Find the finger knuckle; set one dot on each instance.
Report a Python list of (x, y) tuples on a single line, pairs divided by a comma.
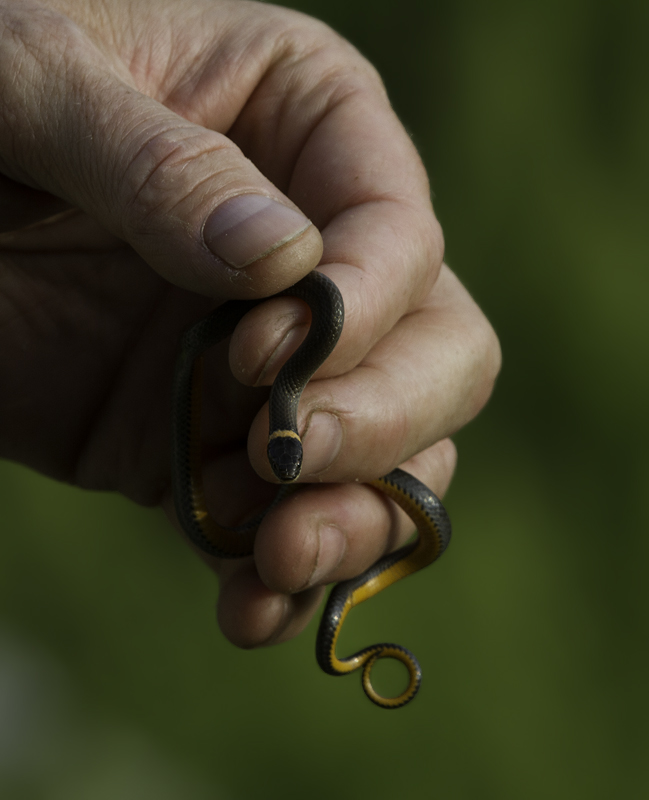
[(486, 362), (333, 61), (433, 245), (166, 170)]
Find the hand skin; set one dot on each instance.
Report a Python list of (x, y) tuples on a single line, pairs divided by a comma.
[(123, 127)]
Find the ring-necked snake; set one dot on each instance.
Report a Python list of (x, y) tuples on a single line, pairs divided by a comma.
[(285, 456)]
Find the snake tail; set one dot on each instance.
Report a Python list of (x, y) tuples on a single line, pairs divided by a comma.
[(434, 533)]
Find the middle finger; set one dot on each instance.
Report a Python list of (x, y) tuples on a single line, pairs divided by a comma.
[(425, 379)]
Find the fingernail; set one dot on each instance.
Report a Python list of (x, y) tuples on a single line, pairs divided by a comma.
[(287, 346), (330, 553), (278, 607), (322, 442), (250, 226)]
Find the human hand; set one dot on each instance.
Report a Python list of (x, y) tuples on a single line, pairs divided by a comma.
[(133, 124)]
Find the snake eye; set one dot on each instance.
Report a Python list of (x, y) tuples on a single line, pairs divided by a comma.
[(285, 456)]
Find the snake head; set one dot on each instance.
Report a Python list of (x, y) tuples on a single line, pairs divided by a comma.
[(285, 455)]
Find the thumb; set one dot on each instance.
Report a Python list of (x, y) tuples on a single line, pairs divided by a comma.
[(183, 196)]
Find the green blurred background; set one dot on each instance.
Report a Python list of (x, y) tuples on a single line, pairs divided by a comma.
[(533, 120)]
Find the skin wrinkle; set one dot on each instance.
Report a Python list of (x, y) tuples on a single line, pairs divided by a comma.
[(178, 59), (286, 603), (339, 120), (400, 447), (417, 287), (65, 134), (170, 146), (53, 68), (434, 242), (190, 160), (285, 620), (99, 19), (136, 128), (302, 147), (302, 605), (360, 198), (371, 298), (333, 50), (190, 99), (75, 130), (325, 408), (291, 50), (271, 361), (409, 434), (321, 525), (396, 422), (13, 171), (159, 173), (44, 24), (333, 97), (388, 519)]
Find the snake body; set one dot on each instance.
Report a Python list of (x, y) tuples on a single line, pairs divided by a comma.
[(285, 456)]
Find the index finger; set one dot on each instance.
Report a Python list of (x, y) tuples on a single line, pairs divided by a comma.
[(339, 152)]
